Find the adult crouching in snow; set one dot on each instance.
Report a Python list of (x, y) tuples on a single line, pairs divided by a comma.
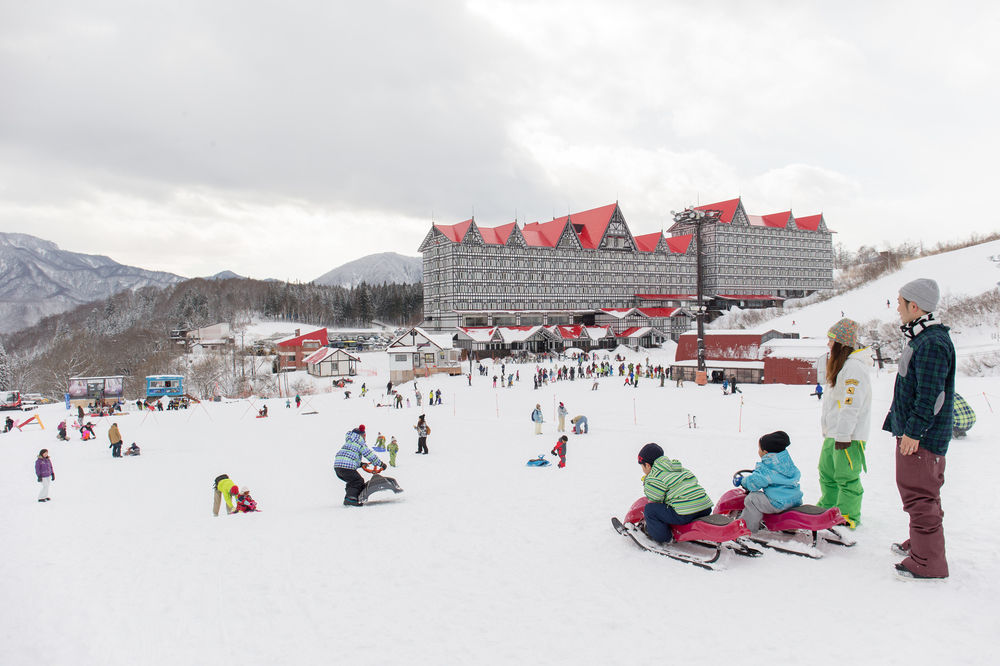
[(846, 421), (348, 461), (116, 441), (224, 488), (43, 470)]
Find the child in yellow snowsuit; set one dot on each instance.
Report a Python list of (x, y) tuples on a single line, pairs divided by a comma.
[(393, 449)]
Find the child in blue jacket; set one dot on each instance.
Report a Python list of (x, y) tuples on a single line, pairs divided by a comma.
[(774, 484)]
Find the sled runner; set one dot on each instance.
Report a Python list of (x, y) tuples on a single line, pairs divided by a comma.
[(377, 483), (796, 531), (700, 542)]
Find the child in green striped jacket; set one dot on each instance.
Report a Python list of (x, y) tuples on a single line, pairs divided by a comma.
[(675, 497)]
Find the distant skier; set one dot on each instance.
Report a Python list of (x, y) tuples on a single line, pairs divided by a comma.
[(348, 461)]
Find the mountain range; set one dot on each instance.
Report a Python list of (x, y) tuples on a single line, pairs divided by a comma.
[(39, 279)]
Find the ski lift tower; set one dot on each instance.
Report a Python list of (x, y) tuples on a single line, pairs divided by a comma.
[(699, 217)]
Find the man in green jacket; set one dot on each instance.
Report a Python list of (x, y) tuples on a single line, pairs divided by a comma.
[(921, 417), (675, 498)]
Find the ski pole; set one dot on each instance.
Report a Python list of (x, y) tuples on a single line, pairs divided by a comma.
[(987, 402)]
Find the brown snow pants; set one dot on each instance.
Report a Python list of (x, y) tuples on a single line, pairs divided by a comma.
[(919, 478)]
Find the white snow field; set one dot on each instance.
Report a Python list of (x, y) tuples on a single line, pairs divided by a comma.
[(481, 560)]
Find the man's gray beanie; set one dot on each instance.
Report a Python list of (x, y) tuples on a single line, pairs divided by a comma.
[(923, 292)]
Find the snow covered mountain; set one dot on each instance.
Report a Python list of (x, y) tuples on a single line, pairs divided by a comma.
[(39, 279), (387, 267)]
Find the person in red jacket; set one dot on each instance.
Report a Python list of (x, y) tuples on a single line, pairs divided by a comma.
[(560, 450)]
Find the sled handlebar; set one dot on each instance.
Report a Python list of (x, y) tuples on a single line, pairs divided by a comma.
[(371, 469)]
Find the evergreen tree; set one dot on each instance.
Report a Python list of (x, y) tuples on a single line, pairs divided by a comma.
[(6, 372)]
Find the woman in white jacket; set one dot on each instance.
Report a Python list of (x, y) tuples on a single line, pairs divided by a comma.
[(847, 409)]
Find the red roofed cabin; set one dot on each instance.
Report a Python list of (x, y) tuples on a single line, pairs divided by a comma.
[(292, 352), (726, 345)]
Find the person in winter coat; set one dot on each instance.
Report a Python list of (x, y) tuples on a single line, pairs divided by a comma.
[(44, 473), (845, 422), (675, 497), (560, 450), (244, 502), (921, 418), (224, 488), (116, 441), (422, 431), (348, 461), (818, 392), (133, 450), (580, 425), (438, 397), (298, 401), (393, 450), (8, 424), (380, 443), (773, 486), (61, 428), (561, 413), (536, 417)]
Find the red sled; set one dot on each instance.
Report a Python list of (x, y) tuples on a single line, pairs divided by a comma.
[(709, 529), (807, 519)]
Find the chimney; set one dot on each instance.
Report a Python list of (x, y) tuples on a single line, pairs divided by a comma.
[(298, 332)]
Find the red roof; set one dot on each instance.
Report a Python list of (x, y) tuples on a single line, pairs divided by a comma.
[(648, 242), (543, 234), (809, 223), (497, 235), (777, 220), (629, 332), (454, 232), (668, 297), (728, 209), (658, 312), (570, 332), (679, 244), (590, 225), (751, 297), (319, 335)]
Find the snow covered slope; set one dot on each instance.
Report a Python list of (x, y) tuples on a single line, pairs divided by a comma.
[(389, 267), (481, 560)]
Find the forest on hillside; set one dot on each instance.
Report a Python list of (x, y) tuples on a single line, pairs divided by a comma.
[(129, 333)]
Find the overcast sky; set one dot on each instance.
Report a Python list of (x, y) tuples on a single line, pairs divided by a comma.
[(282, 139)]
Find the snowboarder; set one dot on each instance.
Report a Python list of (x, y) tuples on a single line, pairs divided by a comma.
[(773, 486), (561, 412), (845, 422), (393, 450), (422, 431), (675, 497), (44, 473), (560, 450), (224, 488), (116, 441), (348, 461), (536, 417)]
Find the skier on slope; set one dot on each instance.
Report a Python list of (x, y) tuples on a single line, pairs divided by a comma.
[(348, 461)]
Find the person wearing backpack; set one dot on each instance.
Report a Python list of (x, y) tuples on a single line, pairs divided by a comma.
[(422, 431), (536, 417)]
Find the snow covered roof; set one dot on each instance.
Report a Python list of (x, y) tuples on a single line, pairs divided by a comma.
[(804, 348), (619, 313), (721, 365), (598, 332), (478, 333), (639, 332), (439, 340), (325, 353)]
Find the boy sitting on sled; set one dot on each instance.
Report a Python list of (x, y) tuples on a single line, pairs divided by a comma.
[(133, 450), (774, 484), (675, 498), (245, 503)]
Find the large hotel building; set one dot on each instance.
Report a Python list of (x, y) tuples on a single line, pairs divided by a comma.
[(588, 268)]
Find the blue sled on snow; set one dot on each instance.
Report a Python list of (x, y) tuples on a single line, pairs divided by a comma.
[(540, 461)]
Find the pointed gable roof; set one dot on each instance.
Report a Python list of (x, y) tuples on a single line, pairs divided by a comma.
[(728, 209), (454, 232), (648, 242), (497, 235), (810, 222), (543, 234), (777, 220), (590, 225), (679, 244)]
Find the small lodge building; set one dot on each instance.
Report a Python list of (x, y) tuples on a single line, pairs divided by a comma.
[(329, 362), (790, 361), (86, 391), (292, 351), (171, 386), (417, 353), (728, 353)]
